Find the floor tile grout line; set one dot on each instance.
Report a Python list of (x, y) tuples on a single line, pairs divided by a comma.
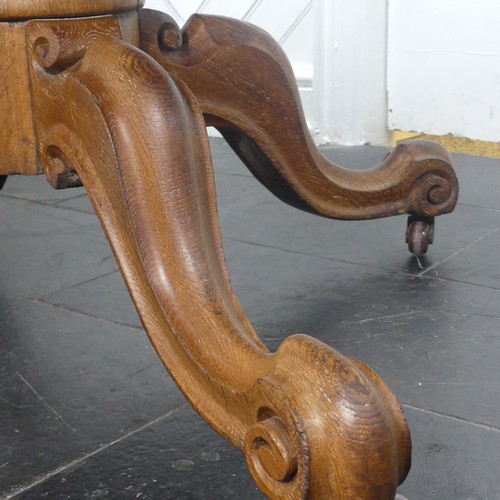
[(30, 200), (81, 195), (477, 240), (72, 209), (388, 316), (47, 204), (453, 280), (474, 315), (421, 312), (452, 417), (368, 267), (323, 257), (421, 275), (69, 287), (60, 213), (86, 314), (44, 401), (470, 205), (73, 311), (78, 461)]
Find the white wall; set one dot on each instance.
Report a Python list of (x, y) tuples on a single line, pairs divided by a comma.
[(444, 67)]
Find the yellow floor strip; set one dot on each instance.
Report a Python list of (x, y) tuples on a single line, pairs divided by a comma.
[(453, 144)]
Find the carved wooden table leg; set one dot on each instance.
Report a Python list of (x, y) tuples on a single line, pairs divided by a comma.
[(246, 88), (311, 422)]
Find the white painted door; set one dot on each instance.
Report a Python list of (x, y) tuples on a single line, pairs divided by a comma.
[(444, 67), (290, 22)]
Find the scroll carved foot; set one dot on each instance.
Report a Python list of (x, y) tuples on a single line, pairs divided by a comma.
[(311, 422), (246, 88)]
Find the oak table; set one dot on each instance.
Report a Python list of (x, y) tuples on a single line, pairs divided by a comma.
[(115, 97)]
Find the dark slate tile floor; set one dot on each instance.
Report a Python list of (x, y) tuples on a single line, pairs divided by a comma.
[(88, 411)]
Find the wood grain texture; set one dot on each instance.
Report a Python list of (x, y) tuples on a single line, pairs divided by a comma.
[(31, 9), (311, 422), (245, 86), (17, 132), (61, 43)]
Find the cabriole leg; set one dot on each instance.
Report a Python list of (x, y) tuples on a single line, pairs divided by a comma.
[(246, 88), (311, 422)]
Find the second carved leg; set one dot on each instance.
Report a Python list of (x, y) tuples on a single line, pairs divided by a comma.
[(310, 421), (246, 88)]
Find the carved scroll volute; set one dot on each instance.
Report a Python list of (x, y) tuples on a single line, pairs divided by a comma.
[(59, 44), (215, 55), (56, 46), (348, 426), (310, 421)]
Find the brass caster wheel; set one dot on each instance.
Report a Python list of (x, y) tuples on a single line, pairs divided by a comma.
[(419, 234)]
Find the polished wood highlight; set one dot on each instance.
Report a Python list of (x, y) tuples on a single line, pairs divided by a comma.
[(310, 421)]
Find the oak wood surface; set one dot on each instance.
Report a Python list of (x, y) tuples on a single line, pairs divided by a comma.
[(30, 9), (58, 45), (17, 135), (311, 422)]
